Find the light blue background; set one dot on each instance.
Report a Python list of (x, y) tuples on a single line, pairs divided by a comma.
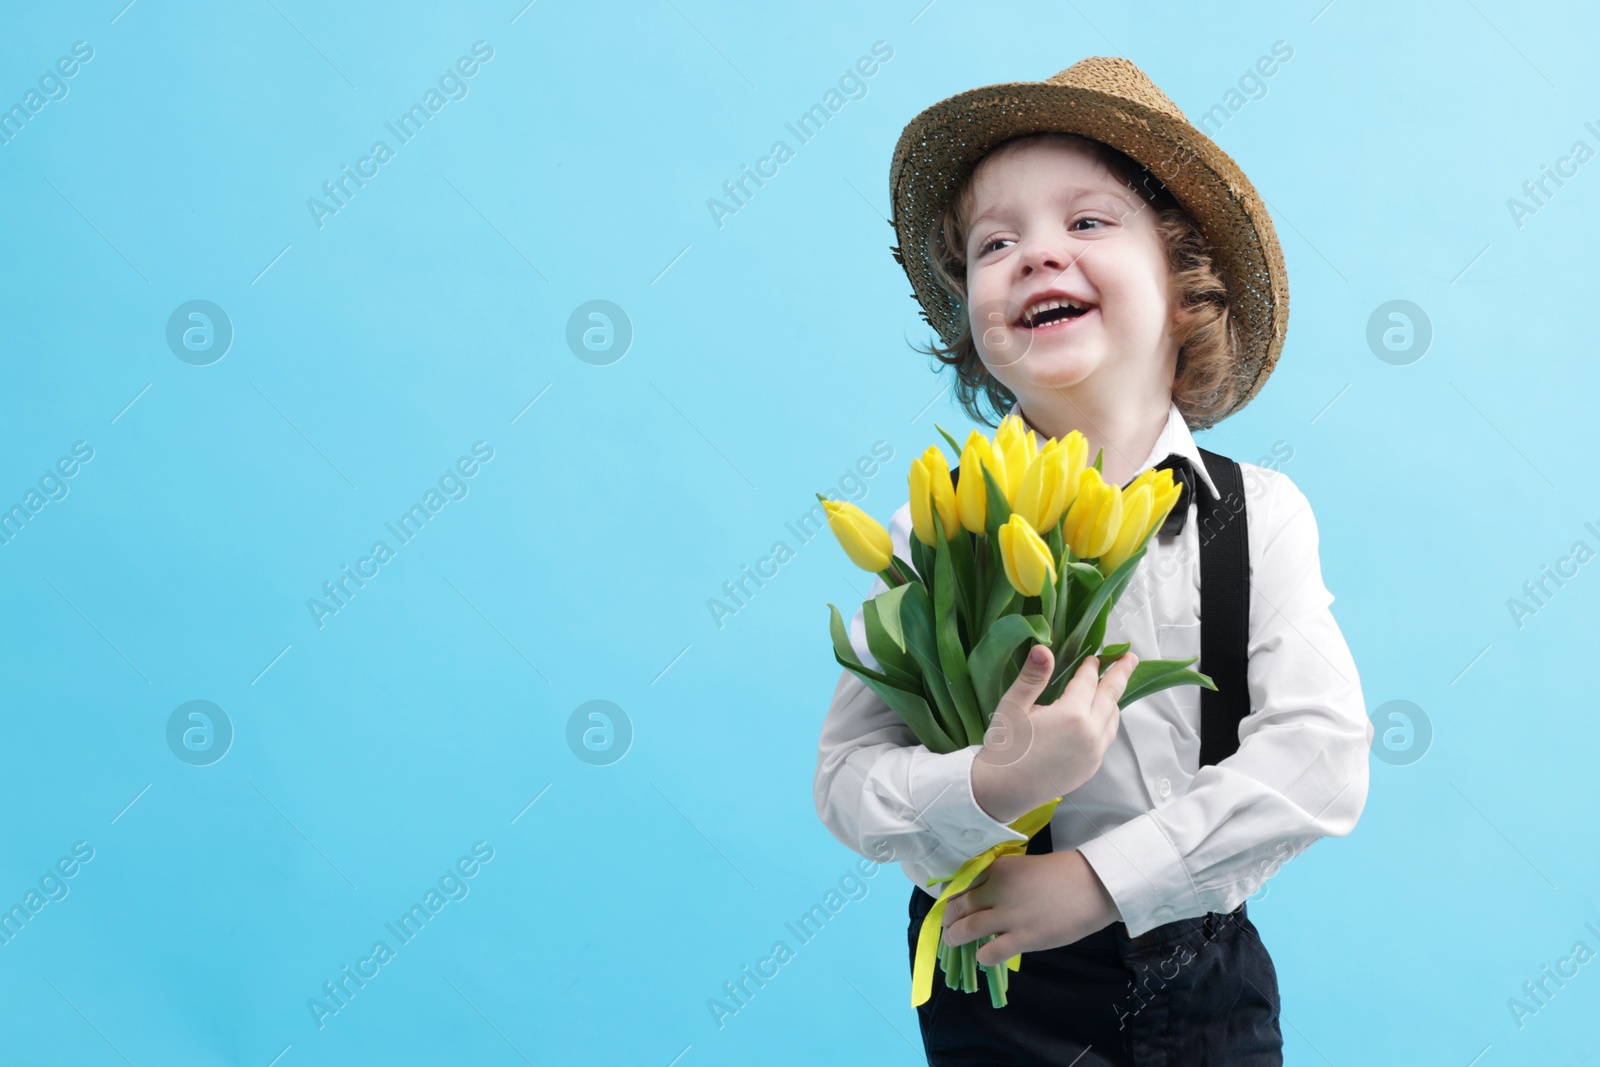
[(768, 357)]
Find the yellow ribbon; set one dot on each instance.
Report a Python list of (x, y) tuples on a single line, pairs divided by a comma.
[(932, 923)]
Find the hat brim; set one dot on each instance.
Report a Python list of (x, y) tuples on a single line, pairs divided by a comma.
[(939, 148)]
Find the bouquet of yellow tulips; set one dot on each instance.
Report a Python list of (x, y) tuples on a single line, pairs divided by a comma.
[(1028, 544)]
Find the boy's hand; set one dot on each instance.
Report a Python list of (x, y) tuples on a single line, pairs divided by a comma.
[(1033, 752), (1032, 903)]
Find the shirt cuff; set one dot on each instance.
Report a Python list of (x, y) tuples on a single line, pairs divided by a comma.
[(941, 791), (1144, 873)]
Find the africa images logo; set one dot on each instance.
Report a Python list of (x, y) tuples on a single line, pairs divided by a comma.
[(452, 885), (452, 85)]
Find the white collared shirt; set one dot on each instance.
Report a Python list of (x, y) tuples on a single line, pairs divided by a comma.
[(1169, 839)]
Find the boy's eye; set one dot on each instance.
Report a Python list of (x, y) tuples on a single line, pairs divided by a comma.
[(986, 248)]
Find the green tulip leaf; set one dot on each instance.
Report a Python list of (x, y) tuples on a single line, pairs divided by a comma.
[(983, 578), (845, 653), (918, 625), (919, 557), (991, 661), (952, 657), (1082, 579), (1075, 646), (889, 614), (998, 509), (888, 646), (1003, 599), (959, 549), (1154, 675), (842, 648), (1104, 595), (912, 709), (1046, 599), (1111, 653), (1096, 634)]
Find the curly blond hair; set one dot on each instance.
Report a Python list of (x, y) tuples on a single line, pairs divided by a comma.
[(1207, 377)]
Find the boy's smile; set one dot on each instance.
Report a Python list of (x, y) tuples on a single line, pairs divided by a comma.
[(1052, 309), (1067, 283)]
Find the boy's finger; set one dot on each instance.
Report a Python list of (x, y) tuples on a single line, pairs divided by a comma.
[(1115, 680), (957, 908), (997, 951), (1113, 723), (971, 926), (1108, 693), (1085, 679), (1030, 681)]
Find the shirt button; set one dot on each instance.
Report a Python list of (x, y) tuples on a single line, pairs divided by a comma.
[(972, 835), (1163, 911), (1165, 787)]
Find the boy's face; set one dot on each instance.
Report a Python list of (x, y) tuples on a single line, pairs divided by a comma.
[(1047, 217)]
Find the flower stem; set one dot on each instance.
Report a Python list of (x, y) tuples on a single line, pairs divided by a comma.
[(996, 976)]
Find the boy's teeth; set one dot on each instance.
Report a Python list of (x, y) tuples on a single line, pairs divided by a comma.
[(1031, 320)]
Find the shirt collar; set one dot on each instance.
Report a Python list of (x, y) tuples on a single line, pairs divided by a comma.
[(1174, 437)]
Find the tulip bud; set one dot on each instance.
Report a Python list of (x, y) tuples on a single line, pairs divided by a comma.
[(1095, 516), (972, 495), (1146, 477), (1014, 448), (1165, 497), (1051, 482), (1134, 523), (867, 543), (1042, 496), (932, 492), (1077, 449), (1027, 558)]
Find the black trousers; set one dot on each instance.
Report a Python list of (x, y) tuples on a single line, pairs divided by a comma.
[(1189, 993)]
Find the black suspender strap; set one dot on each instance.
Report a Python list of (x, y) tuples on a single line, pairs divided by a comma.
[(1224, 610)]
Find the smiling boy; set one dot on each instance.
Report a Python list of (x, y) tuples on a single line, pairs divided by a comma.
[(1092, 262)]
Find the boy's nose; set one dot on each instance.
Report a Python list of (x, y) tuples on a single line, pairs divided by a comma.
[(1045, 256)]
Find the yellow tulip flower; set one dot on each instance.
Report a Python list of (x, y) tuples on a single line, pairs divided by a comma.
[(932, 492), (972, 495), (1136, 508), (1015, 448), (864, 540), (1164, 500), (1051, 482), (1043, 494), (1147, 477), (1165, 489), (1077, 447), (1165, 493), (1026, 557), (1095, 516)]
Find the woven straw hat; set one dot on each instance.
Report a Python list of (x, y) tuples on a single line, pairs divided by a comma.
[(1110, 100)]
